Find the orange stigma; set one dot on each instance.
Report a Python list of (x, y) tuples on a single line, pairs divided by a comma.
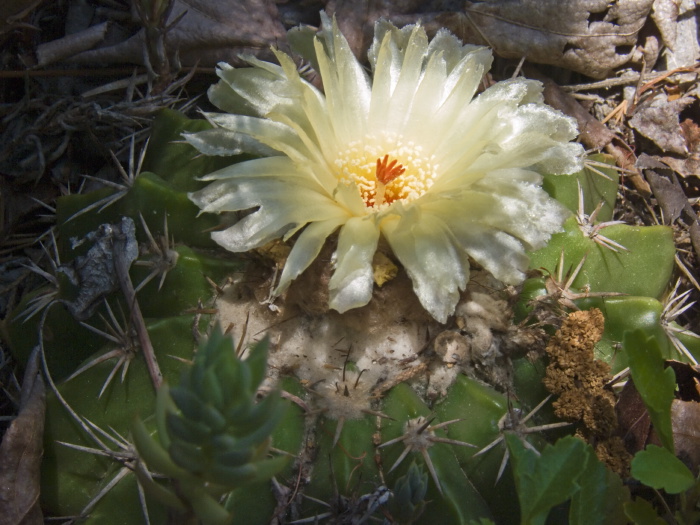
[(387, 173)]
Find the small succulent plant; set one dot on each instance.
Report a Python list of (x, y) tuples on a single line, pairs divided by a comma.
[(212, 435)]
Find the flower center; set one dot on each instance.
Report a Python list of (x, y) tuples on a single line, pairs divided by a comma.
[(386, 169), (385, 174)]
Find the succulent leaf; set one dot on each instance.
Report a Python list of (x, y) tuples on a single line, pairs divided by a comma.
[(185, 429), (207, 450), (409, 495)]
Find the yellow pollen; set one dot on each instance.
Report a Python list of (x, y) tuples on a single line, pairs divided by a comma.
[(386, 169)]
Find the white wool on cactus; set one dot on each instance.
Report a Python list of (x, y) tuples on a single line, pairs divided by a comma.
[(409, 152)]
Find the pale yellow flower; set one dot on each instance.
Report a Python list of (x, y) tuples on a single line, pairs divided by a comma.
[(410, 153)]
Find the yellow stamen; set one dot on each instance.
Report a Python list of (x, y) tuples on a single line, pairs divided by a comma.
[(386, 169)]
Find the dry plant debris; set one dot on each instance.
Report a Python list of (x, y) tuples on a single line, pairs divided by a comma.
[(685, 416), (579, 380), (21, 453)]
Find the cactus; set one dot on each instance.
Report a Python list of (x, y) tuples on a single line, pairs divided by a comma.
[(380, 411)]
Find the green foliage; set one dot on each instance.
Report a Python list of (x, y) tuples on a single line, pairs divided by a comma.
[(655, 383), (658, 468), (174, 160), (409, 495), (546, 481), (602, 496), (114, 383), (213, 436), (70, 477), (459, 501), (210, 438), (566, 470), (150, 195), (479, 409), (641, 512), (623, 314), (188, 282), (340, 469), (643, 270)]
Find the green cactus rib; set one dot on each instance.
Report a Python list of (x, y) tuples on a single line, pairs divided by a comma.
[(644, 265), (596, 183), (71, 478), (459, 501)]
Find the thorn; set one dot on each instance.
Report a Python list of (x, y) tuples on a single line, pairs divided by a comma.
[(338, 430)]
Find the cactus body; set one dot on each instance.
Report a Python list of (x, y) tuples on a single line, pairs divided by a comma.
[(345, 394)]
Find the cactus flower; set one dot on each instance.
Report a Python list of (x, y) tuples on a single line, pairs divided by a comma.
[(409, 152)]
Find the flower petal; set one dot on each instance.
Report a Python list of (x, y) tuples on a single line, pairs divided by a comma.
[(345, 82), (243, 194), (274, 219), (265, 168), (445, 88), (424, 245), (247, 134), (499, 253), (520, 209), (399, 70), (249, 91), (480, 120), (533, 135), (475, 185), (306, 248), (252, 171), (349, 197), (352, 281), (221, 142)]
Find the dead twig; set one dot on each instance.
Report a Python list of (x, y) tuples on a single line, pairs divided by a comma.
[(121, 266)]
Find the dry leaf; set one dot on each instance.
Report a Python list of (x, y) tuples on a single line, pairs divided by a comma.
[(677, 23), (12, 12), (657, 119), (671, 196), (94, 273), (685, 419), (209, 32), (695, 237), (594, 134), (688, 380), (685, 416), (665, 16), (689, 166), (21, 452), (589, 36), (633, 419), (70, 45)]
